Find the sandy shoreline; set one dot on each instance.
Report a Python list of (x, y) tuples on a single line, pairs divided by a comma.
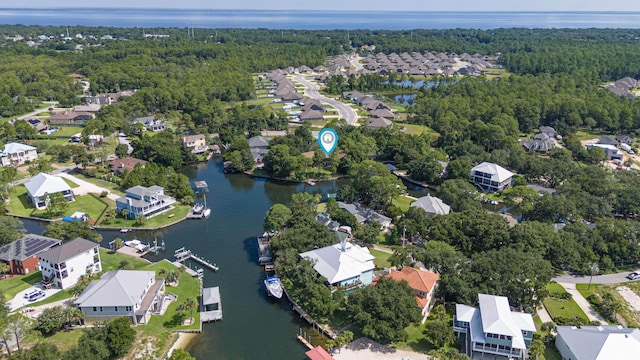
[(366, 349), (182, 341)]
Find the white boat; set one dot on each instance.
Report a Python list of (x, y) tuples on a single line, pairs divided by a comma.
[(197, 208), (137, 244), (206, 213), (125, 230), (273, 287)]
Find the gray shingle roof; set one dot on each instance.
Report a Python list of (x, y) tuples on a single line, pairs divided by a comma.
[(68, 250), (432, 205), (26, 247), (211, 296)]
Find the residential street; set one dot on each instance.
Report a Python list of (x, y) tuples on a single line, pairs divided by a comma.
[(345, 111), (35, 113), (597, 279)]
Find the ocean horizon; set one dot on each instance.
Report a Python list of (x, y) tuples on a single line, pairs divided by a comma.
[(316, 19)]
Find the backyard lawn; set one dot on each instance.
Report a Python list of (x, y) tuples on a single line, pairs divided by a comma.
[(168, 217), (414, 129), (65, 340), (11, 287), (403, 202), (67, 131), (90, 204), (381, 259), (416, 340), (562, 308)]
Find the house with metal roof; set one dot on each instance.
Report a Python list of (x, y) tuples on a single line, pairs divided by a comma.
[(493, 329), (150, 123), (22, 254), (598, 342), (63, 265), (131, 293), (41, 186), (491, 177), (431, 205), (147, 201), (16, 154), (343, 265)]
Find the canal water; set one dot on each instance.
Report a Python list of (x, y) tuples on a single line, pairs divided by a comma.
[(254, 326)]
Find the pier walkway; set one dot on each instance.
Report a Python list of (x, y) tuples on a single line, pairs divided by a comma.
[(183, 255)]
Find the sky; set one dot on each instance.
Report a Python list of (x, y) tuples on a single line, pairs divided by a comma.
[(377, 5)]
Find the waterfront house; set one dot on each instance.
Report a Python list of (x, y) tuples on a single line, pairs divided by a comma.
[(343, 265), (147, 201), (325, 219), (365, 214), (16, 154), (42, 185), (63, 265), (131, 293), (259, 147), (22, 254), (423, 282), (493, 329), (318, 353), (598, 342), (196, 143), (70, 118), (127, 164), (491, 177), (431, 205), (150, 123)]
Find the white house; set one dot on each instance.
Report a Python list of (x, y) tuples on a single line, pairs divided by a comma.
[(491, 177), (492, 328), (147, 201), (130, 293), (15, 154), (42, 185), (343, 264), (598, 342), (63, 265), (431, 205)]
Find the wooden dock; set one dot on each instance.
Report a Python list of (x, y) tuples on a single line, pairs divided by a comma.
[(305, 342), (183, 255), (264, 249)]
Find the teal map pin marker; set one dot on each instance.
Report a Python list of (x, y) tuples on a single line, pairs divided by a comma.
[(328, 140)]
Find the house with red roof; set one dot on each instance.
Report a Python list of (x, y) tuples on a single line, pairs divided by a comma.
[(318, 353), (423, 282)]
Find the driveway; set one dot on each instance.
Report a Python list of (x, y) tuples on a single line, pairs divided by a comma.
[(19, 301), (85, 187), (583, 303), (355, 61), (312, 90), (35, 113)]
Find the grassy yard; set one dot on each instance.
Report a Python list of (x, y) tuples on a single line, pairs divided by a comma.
[(381, 259), (562, 308), (403, 202), (414, 129), (416, 340), (178, 212), (111, 260), (588, 135), (631, 317), (113, 187), (11, 287), (20, 205), (67, 131), (70, 183), (65, 340)]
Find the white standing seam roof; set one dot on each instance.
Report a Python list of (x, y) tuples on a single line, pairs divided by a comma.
[(498, 173), (46, 184), (465, 312), (432, 205), (601, 342), (116, 288), (337, 265), (495, 317), (12, 148)]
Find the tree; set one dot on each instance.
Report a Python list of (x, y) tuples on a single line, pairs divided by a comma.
[(121, 150), (11, 229), (118, 243), (57, 204), (179, 354), (536, 349), (279, 162), (70, 230), (120, 336), (593, 269), (438, 328), (520, 199), (277, 218), (303, 208), (187, 307), (448, 353), (21, 327), (51, 320), (384, 310), (40, 351), (72, 315), (343, 338), (368, 232)]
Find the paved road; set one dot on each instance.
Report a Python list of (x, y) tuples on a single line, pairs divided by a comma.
[(355, 61), (344, 110), (35, 113), (597, 279)]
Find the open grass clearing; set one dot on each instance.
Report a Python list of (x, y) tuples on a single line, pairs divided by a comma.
[(381, 259), (12, 286), (416, 340), (67, 131), (414, 129), (403, 202), (562, 308), (178, 212), (113, 187), (65, 339)]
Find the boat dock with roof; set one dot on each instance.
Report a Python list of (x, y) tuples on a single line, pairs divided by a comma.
[(211, 309)]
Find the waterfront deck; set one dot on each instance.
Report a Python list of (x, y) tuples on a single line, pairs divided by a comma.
[(183, 255), (264, 249)]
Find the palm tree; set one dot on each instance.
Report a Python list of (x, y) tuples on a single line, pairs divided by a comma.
[(536, 349), (4, 268), (593, 269), (72, 315), (125, 215), (189, 305), (172, 276), (118, 243)]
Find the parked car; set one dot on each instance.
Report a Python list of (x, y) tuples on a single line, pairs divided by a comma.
[(634, 275), (30, 293), (39, 295)]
